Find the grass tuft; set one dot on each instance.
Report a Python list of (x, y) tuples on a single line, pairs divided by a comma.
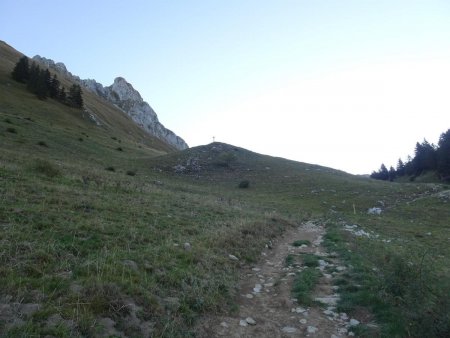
[(304, 284)]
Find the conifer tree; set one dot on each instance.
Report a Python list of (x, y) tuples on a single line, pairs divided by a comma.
[(400, 168), (443, 156), (21, 71), (62, 96), (37, 83), (75, 97), (392, 174), (53, 87)]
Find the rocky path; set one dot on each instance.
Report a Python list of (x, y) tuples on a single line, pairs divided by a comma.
[(266, 306)]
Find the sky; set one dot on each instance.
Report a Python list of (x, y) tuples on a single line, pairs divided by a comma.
[(347, 84)]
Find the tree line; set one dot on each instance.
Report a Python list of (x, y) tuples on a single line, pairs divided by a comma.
[(427, 157), (41, 83)]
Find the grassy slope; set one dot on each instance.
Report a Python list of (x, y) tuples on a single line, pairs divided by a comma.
[(85, 243)]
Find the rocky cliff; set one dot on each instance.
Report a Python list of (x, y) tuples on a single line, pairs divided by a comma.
[(125, 97)]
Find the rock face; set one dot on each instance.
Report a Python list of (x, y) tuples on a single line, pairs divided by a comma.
[(124, 96)]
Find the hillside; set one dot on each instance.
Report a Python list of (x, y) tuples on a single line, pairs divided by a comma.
[(106, 231)]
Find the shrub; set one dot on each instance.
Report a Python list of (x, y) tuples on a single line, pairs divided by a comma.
[(46, 168), (11, 130), (289, 260), (119, 149), (110, 168), (131, 173), (310, 260), (7, 121), (244, 184), (42, 143), (225, 159)]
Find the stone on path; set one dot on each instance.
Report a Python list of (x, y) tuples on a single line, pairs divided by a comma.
[(250, 321), (289, 329), (243, 322), (312, 329), (257, 288)]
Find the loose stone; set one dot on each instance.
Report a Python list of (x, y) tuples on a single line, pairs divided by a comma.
[(289, 329), (233, 257), (354, 322), (250, 321), (312, 329)]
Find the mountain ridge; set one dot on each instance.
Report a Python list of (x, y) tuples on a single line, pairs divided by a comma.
[(122, 95)]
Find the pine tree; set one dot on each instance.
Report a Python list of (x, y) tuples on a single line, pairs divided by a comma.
[(400, 168), (75, 97), (21, 71), (381, 174), (37, 84), (62, 96), (443, 156), (424, 157), (53, 87), (392, 174)]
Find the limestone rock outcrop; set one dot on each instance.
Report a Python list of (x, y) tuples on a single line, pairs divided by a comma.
[(125, 97)]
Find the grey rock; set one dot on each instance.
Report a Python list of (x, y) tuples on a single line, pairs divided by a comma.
[(374, 211), (130, 264), (354, 322), (126, 98), (250, 321), (233, 257), (289, 329), (187, 246), (257, 288), (312, 329), (243, 322), (27, 310)]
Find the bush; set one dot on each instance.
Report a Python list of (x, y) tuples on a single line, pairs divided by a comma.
[(226, 159), (46, 168), (11, 130), (131, 173), (110, 168), (244, 184), (42, 143), (119, 149)]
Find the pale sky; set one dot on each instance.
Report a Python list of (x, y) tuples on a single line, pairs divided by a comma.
[(344, 84)]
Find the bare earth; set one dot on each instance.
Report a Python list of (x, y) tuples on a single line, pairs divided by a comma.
[(265, 296)]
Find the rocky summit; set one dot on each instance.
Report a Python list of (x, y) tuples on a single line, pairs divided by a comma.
[(125, 97)]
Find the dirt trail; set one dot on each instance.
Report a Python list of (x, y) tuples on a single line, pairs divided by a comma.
[(265, 296)]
